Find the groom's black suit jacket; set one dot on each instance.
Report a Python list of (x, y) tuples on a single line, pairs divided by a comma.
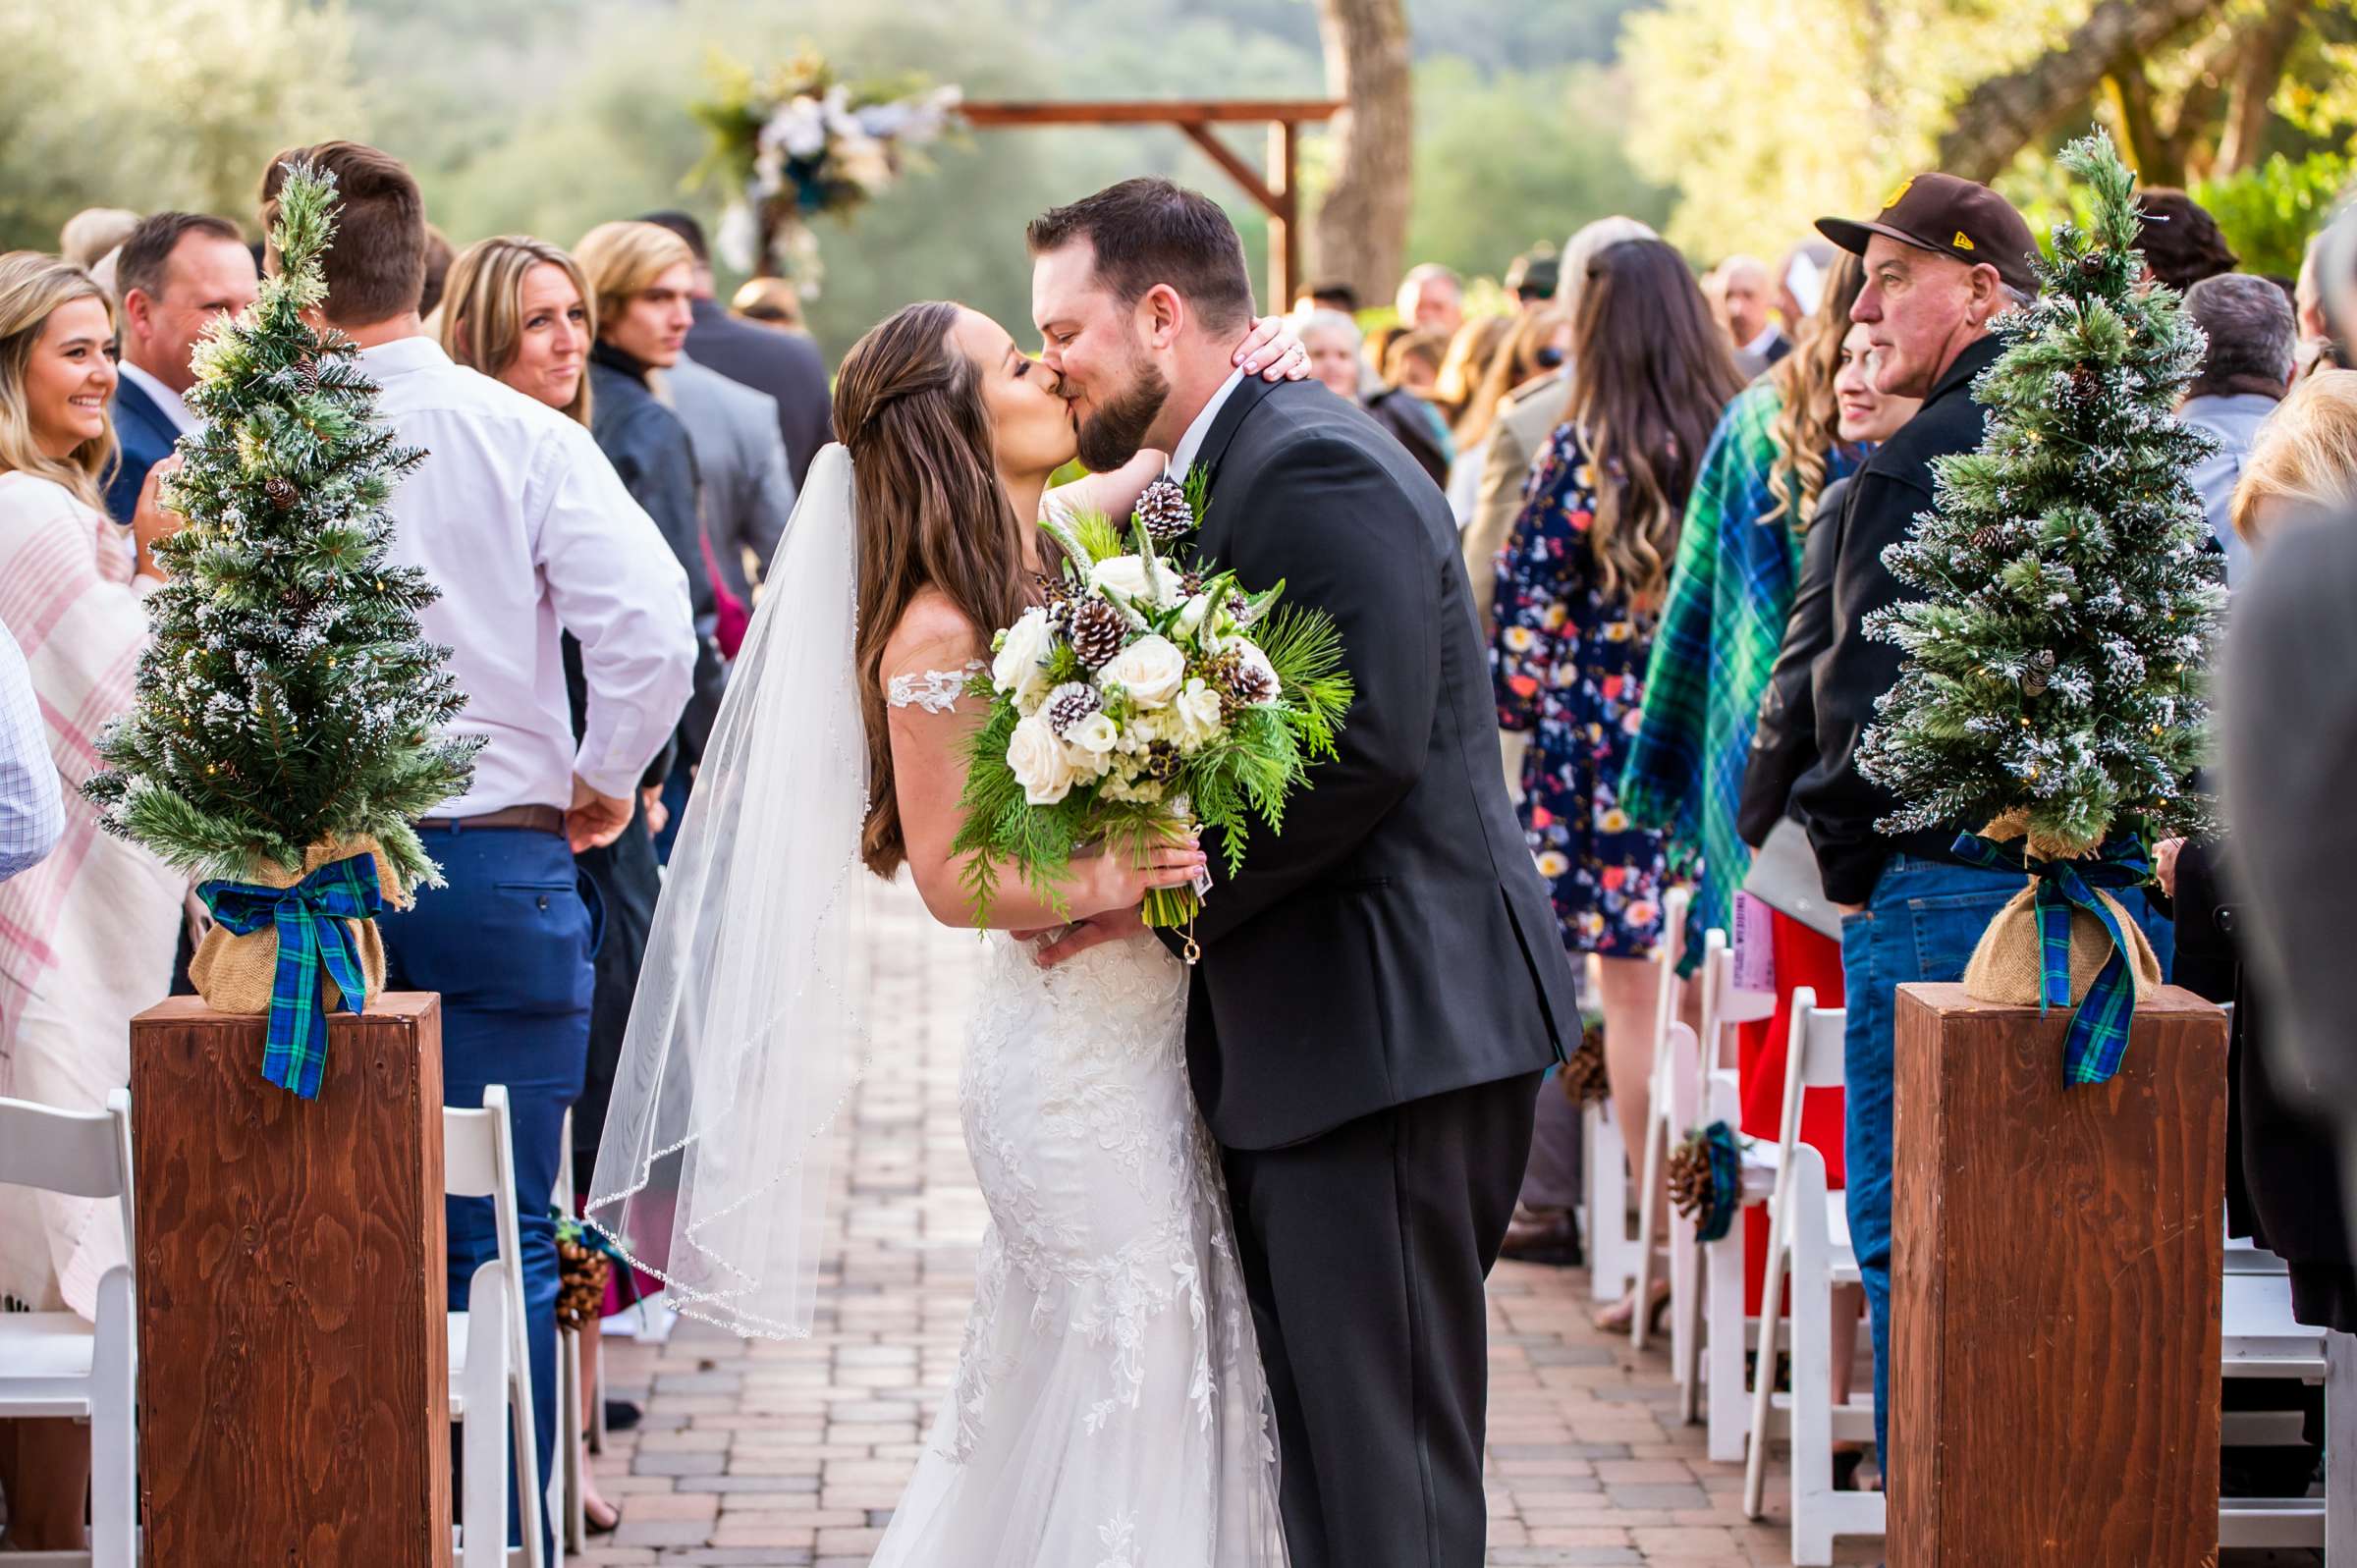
[(1394, 941)]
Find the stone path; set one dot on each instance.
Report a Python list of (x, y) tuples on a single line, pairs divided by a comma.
[(793, 1454)]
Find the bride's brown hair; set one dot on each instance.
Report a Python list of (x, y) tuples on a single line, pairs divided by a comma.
[(932, 515)]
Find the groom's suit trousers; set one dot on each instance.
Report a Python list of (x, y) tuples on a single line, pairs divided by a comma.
[(1365, 1251)]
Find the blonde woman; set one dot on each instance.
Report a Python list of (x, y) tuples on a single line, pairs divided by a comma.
[(1534, 342), (86, 936), (2303, 460), (519, 309)]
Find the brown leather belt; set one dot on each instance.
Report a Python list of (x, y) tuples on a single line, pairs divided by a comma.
[(538, 819)]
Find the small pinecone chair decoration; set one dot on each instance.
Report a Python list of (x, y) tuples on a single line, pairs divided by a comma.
[(1584, 1081), (582, 1274)]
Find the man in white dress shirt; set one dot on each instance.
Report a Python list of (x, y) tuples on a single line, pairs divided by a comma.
[(176, 275), (528, 533)]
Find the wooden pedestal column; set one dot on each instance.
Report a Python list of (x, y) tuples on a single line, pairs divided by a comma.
[(293, 1383), (2054, 1286)]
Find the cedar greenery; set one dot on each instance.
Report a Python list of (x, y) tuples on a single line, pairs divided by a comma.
[(2054, 672), (286, 696)]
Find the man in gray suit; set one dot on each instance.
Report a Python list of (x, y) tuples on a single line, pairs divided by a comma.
[(747, 491)]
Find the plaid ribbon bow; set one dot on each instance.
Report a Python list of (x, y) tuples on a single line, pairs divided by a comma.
[(2099, 1033), (309, 919)]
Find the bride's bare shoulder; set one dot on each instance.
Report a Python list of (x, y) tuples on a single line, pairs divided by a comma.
[(932, 629)]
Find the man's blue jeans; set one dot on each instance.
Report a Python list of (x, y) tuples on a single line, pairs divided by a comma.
[(507, 945), (1922, 923)]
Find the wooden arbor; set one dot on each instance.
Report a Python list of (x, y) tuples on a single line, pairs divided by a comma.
[(1275, 190)]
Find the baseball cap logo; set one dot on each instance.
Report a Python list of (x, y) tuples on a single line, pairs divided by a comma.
[(1962, 241), (1897, 196)]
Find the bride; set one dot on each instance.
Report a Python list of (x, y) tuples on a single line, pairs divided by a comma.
[(1109, 1408)]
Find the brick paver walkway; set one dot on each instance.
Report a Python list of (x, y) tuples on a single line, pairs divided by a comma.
[(793, 1454)]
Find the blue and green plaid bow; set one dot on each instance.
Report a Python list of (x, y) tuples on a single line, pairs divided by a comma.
[(2099, 1035), (309, 919)]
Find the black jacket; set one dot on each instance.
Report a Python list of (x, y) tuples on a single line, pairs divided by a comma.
[(1784, 743), (784, 364), (1838, 803), (650, 450), (1394, 941)]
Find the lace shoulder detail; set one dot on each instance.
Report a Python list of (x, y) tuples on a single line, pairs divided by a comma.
[(934, 690)]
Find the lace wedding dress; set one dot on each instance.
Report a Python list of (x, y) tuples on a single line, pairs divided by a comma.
[(1109, 1410)]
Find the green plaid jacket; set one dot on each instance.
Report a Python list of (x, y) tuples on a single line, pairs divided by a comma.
[(1731, 592)]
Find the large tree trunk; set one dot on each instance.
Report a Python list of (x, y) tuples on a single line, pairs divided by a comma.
[(2005, 114), (1361, 227), (2266, 49)]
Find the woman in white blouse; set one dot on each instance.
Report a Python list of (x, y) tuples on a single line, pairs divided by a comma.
[(86, 936)]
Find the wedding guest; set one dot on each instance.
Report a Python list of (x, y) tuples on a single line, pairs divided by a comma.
[(2180, 241), (1800, 282), (1432, 298), (94, 233), (1529, 417), (521, 522), (2282, 1177), (1942, 259), (2308, 304), (1333, 294), (33, 813), (1730, 591), (1471, 349), (2250, 364), (1743, 296), (1411, 367), (439, 254), (1535, 342), (178, 273), (772, 301), (86, 935), (1333, 340), (1579, 584), (784, 364), (1533, 276)]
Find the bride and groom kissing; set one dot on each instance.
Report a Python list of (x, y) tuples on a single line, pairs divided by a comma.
[(1230, 1307)]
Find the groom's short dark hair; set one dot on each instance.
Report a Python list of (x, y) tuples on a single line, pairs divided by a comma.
[(1147, 232)]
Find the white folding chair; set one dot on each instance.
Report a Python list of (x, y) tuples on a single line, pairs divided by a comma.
[(54, 1365), (569, 1492), (2259, 1338), (1808, 1227), (1687, 1085), (490, 1347), (1725, 1007), (1674, 904), (1729, 1329)]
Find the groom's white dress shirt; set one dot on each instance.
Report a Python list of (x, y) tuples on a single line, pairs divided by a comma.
[(1183, 455), (521, 522)]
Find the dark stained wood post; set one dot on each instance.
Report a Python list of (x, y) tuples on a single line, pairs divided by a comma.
[(1275, 191), (294, 1364), (2055, 1259)]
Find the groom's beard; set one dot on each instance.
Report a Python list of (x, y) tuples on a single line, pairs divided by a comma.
[(1117, 431)]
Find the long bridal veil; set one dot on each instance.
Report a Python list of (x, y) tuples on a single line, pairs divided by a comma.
[(748, 1031)]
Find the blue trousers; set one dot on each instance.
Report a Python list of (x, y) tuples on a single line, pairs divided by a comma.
[(1921, 924), (507, 945)]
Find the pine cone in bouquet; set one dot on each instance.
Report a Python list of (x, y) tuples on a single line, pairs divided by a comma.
[(1098, 630), (1240, 681), (1584, 1080), (582, 1273), (1070, 703), (1163, 511)]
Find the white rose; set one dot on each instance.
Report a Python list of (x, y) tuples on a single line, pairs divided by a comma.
[(1198, 714), (1150, 669), (1127, 577), (1039, 762), (1022, 664), (1097, 735)]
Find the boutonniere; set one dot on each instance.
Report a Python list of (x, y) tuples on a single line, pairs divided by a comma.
[(1172, 508)]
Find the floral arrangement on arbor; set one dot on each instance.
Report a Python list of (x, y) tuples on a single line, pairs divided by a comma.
[(1141, 700), (2053, 684), (798, 142)]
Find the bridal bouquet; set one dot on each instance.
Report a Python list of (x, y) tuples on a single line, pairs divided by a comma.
[(1142, 701)]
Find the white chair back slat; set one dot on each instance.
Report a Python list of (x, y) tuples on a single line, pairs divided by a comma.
[(1820, 1033), (479, 1161), (470, 1151), (1674, 904), (78, 1153), (1725, 1005)]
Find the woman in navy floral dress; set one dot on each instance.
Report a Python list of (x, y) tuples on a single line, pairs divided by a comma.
[(1579, 584)]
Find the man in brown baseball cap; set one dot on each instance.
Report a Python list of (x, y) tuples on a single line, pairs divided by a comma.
[(1943, 258)]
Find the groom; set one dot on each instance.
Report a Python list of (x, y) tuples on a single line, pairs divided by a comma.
[(1383, 984)]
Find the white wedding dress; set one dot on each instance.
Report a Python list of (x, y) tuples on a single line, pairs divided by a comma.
[(1109, 1408)]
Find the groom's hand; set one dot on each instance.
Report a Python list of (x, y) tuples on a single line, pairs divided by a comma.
[(1114, 925)]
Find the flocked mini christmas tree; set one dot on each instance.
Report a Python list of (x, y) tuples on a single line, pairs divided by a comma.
[(2052, 699), (289, 702)]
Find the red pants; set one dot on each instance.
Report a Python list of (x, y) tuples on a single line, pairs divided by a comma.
[(1802, 958)]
